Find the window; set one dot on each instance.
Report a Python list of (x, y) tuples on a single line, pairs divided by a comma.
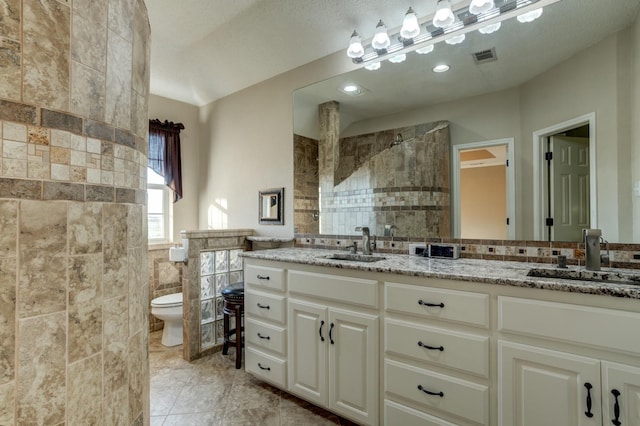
[(159, 208)]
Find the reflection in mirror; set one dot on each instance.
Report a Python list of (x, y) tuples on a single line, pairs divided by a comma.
[(271, 206), (577, 60)]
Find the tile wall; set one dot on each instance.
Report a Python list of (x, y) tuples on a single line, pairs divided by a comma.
[(74, 79)]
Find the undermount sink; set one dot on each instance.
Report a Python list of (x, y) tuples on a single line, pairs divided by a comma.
[(584, 275), (355, 257)]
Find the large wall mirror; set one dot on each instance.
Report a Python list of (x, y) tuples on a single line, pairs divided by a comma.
[(568, 82)]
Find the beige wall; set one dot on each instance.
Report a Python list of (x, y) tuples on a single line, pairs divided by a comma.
[(185, 211), (250, 134), (635, 129), (483, 206)]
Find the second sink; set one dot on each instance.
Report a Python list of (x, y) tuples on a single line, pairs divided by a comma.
[(355, 257)]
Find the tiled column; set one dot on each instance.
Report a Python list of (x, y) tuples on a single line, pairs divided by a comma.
[(73, 285), (328, 157)]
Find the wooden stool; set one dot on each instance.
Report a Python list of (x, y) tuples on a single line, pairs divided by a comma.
[(233, 297)]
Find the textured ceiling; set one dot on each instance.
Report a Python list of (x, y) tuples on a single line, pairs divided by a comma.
[(203, 50)]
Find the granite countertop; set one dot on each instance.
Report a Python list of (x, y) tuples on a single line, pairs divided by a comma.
[(482, 271), (263, 239)]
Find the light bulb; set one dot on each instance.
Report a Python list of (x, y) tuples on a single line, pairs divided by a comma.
[(492, 28), (425, 50), (373, 66), (456, 39), (398, 58), (355, 49), (444, 15), (441, 68), (478, 7), (530, 16), (410, 27), (381, 38)]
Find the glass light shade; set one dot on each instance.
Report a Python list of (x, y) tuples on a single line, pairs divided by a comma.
[(481, 6), (444, 15), (398, 58), (456, 39), (381, 38), (373, 66), (355, 49), (441, 68), (530, 16), (425, 50), (492, 28), (410, 27)]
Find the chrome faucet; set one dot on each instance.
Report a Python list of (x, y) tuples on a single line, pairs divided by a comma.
[(592, 249), (366, 246)]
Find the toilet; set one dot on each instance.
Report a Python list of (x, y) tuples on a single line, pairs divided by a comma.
[(169, 309)]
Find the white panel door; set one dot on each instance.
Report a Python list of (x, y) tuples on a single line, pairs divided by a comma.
[(621, 394), (540, 387), (308, 341), (353, 365)]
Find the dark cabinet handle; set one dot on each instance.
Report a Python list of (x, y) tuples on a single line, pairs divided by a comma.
[(263, 306), (331, 334), (262, 277), (264, 368), (432, 348), (616, 408), (588, 413), (440, 394), (423, 303), (320, 331), (264, 337)]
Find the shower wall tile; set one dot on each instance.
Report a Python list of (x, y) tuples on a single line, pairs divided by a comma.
[(137, 356), (10, 19), (134, 227), (114, 369), (8, 228), (7, 320), (41, 360), (85, 306), (85, 228), (86, 80), (11, 71), (118, 96), (18, 112), (84, 392), (121, 14), (95, 11), (89, 41), (137, 304), (46, 39), (7, 403)]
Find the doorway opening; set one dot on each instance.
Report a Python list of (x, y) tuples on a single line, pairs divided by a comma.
[(564, 180), (483, 189)]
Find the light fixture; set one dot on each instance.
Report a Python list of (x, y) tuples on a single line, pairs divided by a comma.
[(491, 28), (478, 7), (410, 27), (355, 49), (445, 28), (425, 50), (374, 66), (441, 68), (381, 38), (530, 16), (444, 14), (398, 58), (350, 88)]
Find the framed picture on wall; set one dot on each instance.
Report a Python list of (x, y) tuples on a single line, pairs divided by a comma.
[(271, 206)]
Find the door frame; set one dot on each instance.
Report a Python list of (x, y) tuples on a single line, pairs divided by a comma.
[(511, 188), (540, 179)]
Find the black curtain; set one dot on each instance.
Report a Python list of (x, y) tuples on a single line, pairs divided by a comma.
[(164, 153)]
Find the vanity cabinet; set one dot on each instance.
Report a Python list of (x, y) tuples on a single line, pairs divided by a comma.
[(333, 350), (541, 386)]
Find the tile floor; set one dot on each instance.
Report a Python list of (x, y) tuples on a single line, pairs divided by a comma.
[(210, 391)]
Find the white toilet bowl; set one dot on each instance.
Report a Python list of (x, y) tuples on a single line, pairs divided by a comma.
[(169, 309)]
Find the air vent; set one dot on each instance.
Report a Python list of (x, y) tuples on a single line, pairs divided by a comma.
[(485, 56)]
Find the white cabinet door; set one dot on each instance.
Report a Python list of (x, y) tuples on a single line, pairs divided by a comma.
[(621, 394), (540, 387), (353, 365), (308, 339)]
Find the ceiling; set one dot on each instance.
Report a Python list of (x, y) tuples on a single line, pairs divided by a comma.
[(202, 50)]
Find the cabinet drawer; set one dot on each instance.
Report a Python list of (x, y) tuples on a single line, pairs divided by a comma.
[(266, 367), (606, 328), (450, 305), (261, 335), (459, 397), (264, 277), (265, 306), (356, 291), (396, 414), (461, 351)]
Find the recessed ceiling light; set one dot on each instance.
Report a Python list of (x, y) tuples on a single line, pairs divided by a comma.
[(350, 88), (441, 68)]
